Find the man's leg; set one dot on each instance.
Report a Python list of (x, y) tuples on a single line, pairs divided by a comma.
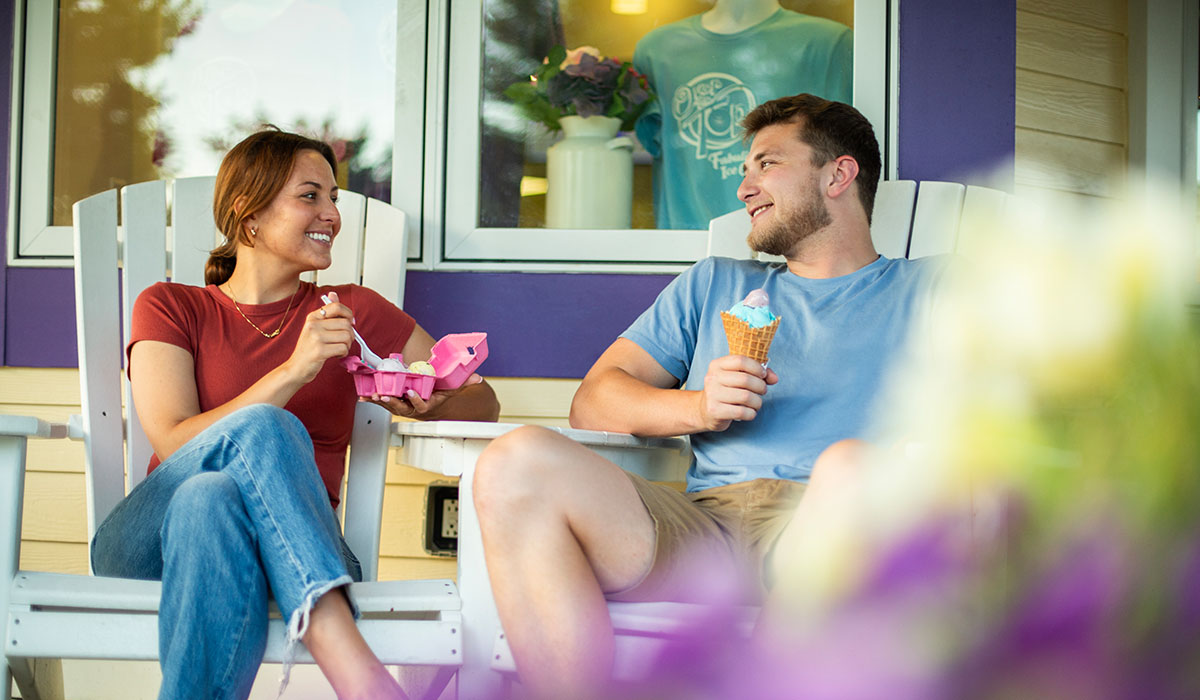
[(561, 527), (836, 473)]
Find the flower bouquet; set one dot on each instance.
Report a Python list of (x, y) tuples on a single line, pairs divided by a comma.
[(581, 82)]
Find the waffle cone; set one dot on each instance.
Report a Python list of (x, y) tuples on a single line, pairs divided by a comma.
[(744, 340)]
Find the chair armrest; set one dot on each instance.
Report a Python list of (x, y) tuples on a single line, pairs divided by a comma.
[(443, 447), (29, 426), (75, 427)]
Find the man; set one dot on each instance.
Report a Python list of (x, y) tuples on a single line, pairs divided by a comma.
[(564, 529)]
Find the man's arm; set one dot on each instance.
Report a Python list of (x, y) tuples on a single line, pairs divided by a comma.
[(628, 391)]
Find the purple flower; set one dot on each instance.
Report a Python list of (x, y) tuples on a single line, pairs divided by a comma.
[(581, 82), (588, 86)]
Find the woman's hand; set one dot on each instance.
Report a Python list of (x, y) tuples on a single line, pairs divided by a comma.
[(412, 405), (327, 333)]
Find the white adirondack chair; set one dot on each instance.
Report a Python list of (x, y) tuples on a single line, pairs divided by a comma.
[(56, 616), (908, 221)]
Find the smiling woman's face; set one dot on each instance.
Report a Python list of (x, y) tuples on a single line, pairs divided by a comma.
[(300, 223)]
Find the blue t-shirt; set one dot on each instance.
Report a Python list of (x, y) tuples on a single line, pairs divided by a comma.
[(707, 82), (835, 340)]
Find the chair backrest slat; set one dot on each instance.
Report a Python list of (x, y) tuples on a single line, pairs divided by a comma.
[(348, 246), (891, 219), (144, 262), (97, 318), (193, 233), (935, 221), (727, 235), (385, 250), (981, 205)]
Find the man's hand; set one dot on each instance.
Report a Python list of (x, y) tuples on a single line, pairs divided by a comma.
[(733, 390)]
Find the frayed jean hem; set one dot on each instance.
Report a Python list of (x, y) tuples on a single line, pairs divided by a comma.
[(298, 622)]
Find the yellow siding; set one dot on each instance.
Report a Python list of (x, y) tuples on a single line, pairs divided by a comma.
[(1071, 101), (54, 531), (1071, 50), (1058, 162), (1102, 14), (1052, 104)]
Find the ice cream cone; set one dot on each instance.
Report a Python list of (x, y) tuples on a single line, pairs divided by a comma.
[(744, 340)]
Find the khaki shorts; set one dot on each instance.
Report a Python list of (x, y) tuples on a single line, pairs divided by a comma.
[(707, 540)]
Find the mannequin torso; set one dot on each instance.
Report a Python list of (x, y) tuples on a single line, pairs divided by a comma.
[(733, 16)]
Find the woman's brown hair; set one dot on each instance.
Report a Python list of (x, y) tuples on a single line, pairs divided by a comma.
[(250, 176)]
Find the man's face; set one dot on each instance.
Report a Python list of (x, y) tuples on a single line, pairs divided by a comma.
[(782, 191)]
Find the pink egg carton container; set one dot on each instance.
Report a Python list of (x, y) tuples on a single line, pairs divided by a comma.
[(454, 357)]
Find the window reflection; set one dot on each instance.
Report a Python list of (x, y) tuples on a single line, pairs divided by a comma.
[(162, 88), (708, 72)]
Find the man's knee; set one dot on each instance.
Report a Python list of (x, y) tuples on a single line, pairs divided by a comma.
[(511, 465), (514, 470), (842, 459)]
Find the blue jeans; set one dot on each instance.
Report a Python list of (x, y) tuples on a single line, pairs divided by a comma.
[(236, 514)]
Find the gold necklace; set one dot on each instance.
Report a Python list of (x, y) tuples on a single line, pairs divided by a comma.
[(264, 334)]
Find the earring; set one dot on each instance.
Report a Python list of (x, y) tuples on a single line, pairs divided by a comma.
[(253, 231)]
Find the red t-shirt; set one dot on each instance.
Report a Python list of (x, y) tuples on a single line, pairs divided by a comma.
[(234, 355)]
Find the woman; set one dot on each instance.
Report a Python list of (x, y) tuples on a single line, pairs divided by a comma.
[(250, 419)]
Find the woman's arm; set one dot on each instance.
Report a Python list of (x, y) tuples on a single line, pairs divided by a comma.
[(164, 381), (475, 400)]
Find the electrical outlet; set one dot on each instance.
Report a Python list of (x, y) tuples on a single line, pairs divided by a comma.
[(450, 518), (441, 519)]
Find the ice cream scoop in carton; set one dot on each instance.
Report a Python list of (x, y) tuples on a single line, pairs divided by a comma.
[(453, 358)]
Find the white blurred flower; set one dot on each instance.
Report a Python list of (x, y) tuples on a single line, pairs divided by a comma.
[(1055, 305)]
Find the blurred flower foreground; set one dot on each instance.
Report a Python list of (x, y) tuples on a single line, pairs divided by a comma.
[(1032, 527)]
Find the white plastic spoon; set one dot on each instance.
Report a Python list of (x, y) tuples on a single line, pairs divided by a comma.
[(369, 358)]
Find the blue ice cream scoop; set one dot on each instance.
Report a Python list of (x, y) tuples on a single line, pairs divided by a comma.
[(754, 309)]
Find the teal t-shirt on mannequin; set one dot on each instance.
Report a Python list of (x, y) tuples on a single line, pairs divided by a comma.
[(836, 340), (706, 83)]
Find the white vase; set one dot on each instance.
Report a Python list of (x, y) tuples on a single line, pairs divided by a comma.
[(590, 176)]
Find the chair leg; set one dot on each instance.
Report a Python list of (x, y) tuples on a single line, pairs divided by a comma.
[(38, 679), (424, 682)]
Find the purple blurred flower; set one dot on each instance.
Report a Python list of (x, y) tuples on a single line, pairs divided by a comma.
[(588, 86)]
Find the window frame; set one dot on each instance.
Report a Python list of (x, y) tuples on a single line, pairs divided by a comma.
[(34, 242), (464, 245), (429, 110), (1164, 43)]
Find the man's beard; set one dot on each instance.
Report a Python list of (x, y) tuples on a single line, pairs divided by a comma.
[(781, 237)]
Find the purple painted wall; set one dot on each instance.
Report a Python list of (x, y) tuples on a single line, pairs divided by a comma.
[(957, 90), (957, 67)]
